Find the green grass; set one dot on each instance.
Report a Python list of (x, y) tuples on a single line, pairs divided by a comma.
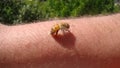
[(117, 8), (19, 11)]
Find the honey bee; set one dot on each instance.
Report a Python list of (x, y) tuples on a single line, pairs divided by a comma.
[(62, 26)]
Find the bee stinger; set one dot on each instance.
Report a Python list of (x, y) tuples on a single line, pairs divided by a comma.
[(62, 26)]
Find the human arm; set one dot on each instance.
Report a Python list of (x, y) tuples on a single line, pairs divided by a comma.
[(92, 43)]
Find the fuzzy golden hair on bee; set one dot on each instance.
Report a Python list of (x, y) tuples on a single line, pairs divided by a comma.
[(55, 29), (61, 26)]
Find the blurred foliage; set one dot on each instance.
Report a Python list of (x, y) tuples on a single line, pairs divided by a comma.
[(117, 8), (18, 11)]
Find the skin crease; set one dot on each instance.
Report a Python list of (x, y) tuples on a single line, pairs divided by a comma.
[(93, 42)]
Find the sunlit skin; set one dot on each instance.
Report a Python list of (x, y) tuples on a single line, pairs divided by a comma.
[(93, 42)]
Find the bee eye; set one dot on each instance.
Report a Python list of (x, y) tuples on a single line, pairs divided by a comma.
[(67, 26)]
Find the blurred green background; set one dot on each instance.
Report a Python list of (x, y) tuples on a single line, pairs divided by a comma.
[(19, 11)]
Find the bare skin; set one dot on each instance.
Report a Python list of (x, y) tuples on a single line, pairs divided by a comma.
[(92, 42)]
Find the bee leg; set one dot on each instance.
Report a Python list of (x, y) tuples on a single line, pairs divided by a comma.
[(56, 32), (66, 31), (63, 31)]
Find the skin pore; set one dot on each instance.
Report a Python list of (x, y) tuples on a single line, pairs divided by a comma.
[(93, 42)]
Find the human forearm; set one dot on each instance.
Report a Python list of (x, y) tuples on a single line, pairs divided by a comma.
[(93, 42)]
